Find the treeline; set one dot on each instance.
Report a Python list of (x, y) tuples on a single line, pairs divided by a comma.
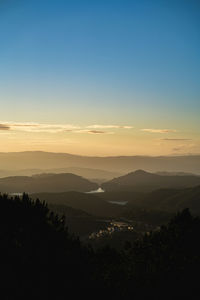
[(40, 259)]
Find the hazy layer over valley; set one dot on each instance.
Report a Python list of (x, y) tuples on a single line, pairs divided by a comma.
[(116, 164)]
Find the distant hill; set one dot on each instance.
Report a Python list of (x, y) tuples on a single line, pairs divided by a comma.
[(144, 181), (46, 183), (123, 164), (175, 200), (96, 175), (88, 203), (163, 173), (78, 221), (165, 200)]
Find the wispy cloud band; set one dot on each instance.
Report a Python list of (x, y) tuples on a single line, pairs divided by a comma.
[(109, 126), (152, 130), (56, 128)]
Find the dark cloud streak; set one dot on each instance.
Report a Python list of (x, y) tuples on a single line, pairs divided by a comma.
[(96, 131), (4, 127)]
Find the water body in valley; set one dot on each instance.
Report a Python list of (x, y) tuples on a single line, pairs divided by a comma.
[(119, 202), (99, 190)]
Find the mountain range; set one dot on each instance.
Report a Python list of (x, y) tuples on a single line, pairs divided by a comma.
[(96, 175), (145, 182), (122, 164), (137, 181)]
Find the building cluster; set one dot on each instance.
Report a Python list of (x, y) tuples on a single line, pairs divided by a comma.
[(113, 227)]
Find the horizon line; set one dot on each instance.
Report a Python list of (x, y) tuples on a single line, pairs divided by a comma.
[(100, 156)]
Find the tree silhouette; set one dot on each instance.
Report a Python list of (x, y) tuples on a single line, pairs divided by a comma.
[(38, 257)]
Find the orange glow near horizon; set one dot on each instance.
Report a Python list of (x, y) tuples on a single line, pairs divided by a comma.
[(95, 140)]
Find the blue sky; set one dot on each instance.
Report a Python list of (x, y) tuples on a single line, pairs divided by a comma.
[(101, 62)]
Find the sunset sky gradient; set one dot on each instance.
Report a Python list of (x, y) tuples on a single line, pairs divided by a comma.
[(102, 77)]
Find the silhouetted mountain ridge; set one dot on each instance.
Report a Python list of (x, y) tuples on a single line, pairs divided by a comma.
[(89, 173), (141, 180), (46, 183), (122, 164)]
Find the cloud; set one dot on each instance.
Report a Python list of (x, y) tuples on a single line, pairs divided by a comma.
[(96, 131), (93, 131), (176, 139), (56, 128), (24, 125), (109, 127), (37, 127), (151, 130), (4, 127)]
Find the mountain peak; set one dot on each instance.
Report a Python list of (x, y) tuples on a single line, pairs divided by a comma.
[(140, 172)]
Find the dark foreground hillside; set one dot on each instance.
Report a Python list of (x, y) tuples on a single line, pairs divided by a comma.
[(40, 260)]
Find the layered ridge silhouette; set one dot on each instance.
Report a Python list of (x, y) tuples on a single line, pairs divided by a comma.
[(125, 164), (145, 181), (46, 183)]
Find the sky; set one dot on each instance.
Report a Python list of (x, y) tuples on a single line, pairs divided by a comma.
[(109, 77)]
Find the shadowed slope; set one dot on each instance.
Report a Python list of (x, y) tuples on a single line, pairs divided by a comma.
[(46, 182), (144, 181), (89, 203)]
